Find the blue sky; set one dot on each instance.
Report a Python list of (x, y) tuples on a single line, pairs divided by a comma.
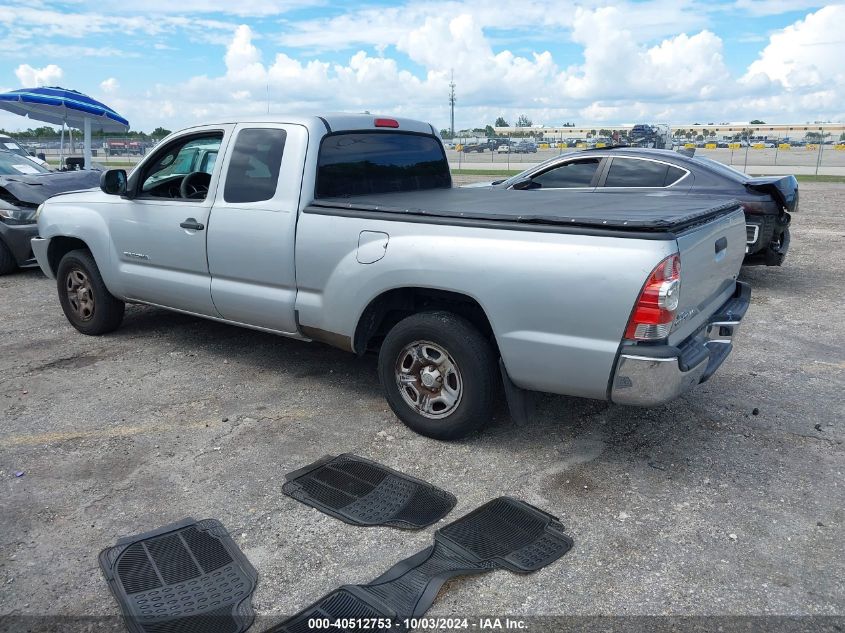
[(173, 63)]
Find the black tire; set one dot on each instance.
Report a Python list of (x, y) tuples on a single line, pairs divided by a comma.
[(7, 260), (467, 350), (105, 311), (775, 252)]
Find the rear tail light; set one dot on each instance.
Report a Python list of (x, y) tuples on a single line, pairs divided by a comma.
[(654, 311), (386, 123)]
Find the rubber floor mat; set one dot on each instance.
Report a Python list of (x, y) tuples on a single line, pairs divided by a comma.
[(187, 577), (362, 492), (504, 533)]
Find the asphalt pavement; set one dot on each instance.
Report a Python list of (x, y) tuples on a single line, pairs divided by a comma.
[(727, 502)]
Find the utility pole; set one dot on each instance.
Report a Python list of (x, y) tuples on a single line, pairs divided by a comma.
[(452, 104)]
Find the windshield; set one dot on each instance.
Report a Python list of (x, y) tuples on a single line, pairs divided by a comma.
[(12, 164), (358, 163), (11, 145), (531, 170)]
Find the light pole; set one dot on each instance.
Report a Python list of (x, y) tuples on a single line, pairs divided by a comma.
[(452, 105)]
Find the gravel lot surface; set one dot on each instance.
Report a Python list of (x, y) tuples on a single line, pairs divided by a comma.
[(728, 501)]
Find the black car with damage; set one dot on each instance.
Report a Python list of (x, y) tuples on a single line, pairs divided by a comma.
[(24, 184), (767, 201)]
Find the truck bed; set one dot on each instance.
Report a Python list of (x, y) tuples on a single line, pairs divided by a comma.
[(647, 213)]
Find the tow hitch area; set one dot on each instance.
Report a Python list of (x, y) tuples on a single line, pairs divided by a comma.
[(185, 576), (504, 533), (361, 492)]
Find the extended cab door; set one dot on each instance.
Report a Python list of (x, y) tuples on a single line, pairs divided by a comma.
[(159, 233), (252, 229)]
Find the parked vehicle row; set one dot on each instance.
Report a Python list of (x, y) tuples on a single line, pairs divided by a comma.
[(346, 229)]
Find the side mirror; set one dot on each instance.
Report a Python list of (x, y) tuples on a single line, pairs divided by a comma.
[(113, 182)]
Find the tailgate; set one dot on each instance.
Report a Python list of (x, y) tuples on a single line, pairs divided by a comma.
[(711, 255)]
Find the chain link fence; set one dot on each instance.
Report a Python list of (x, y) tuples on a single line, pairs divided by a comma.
[(798, 152), (110, 150)]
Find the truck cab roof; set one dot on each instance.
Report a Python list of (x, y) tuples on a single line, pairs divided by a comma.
[(336, 122)]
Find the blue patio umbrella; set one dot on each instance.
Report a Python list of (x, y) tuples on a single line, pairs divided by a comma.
[(64, 107)]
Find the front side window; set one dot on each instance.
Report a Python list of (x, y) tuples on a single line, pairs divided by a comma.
[(358, 163), (192, 159), (631, 172), (576, 173), (254, 166)]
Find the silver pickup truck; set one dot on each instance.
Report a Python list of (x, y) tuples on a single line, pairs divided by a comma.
[(346, 229)]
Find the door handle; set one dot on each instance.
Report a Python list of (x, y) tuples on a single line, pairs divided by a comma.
[(192, 224), (721, 244)]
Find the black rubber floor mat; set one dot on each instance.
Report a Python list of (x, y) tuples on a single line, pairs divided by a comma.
[(362, 492), (187, 577), (503, 533)]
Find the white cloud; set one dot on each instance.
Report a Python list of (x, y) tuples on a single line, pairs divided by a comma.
[(806, 54), (758, 8), (25, 23), (388, 25), (650, 60), (109, 85), (195, 7), (616, 66), (30, 77)]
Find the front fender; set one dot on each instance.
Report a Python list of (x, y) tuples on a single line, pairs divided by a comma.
[(62, 218)]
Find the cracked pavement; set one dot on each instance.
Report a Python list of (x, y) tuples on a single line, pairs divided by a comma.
[(701, 507)]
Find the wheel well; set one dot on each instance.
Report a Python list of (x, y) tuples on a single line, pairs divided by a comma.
[(392, 306), (61, 246)]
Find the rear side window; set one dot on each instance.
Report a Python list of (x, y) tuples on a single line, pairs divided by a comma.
[(253, 171), (380, 162), (577, 173), (630, 172), (673, 175)]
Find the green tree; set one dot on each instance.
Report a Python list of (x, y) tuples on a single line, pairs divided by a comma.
[(757, 122), (604, 132), (500, 122), (524, 121), (445, 134), (159, 132), (489, 131), (842, 136)]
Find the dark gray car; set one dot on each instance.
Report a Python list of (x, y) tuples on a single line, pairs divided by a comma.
[(24, 184), (767, 201)]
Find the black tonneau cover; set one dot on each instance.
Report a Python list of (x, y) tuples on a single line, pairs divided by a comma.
[(603, 210)]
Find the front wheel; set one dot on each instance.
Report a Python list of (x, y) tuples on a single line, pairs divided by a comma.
[(86, 301), (438, 373)]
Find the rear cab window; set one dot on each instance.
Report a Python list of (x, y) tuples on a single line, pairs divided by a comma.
[(360, 163)]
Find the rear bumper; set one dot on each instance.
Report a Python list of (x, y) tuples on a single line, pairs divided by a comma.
[(17, 237), (767, 239), (650, 375)]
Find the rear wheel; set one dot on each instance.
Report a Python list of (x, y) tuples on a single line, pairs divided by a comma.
[(7, 260), (85, 300), (776, 251), (438, 373)]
